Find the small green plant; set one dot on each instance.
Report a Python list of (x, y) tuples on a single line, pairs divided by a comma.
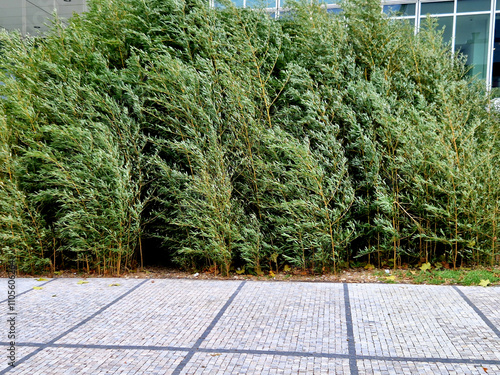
[(474, 277)]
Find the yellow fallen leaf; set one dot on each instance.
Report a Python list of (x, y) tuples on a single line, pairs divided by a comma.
[(82, 282), (425, 266), (484, 282), (115, 284), (42, 279), (37, 287), (271, 273), (287, 268), (369, 267), (240, 271), (391, 278)]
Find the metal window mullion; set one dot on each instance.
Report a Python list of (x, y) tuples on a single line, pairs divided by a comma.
[(454, 28), (417, 16), (491, 44)]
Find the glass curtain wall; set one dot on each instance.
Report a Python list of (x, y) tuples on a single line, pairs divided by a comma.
[(469, 26)]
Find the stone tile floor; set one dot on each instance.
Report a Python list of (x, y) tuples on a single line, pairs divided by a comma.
[(172, 326)]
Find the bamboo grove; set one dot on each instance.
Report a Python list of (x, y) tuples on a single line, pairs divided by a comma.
[(223, 138)]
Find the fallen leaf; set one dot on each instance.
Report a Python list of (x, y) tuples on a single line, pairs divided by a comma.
[(114, 284), (215, 354), (240, 271), (271, 273), (425, 266), (484, 282), (369, 267), (287, 268), (42, 279), (82, 282), (37, 287), (391, 278)]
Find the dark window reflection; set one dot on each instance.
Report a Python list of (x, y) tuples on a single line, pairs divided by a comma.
[(496, 54), (400, 10), (436, 8), (471, 39)]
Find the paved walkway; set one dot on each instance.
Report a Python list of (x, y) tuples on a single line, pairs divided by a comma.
[(173, 326)]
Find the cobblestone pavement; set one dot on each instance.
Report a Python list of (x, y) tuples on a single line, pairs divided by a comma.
[(173, 326)]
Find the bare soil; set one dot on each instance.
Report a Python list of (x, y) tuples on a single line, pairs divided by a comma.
[(357, 275)]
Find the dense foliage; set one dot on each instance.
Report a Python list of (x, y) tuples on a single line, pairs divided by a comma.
[(222, 138)]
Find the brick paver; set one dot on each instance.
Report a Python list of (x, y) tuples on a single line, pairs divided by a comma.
[(189, 326)]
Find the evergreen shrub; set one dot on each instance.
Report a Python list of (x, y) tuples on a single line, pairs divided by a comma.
[(233, 139)]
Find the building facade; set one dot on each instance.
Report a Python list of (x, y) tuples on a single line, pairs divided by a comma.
[(470, 26)]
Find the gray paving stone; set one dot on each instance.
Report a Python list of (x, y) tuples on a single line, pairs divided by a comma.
[(370, 367), (308, 317), (228, 363), (46, 313), (75, 361), (227, 327), (22, 285), (20, 351), (160, 313), (418, 321), (487, 300)]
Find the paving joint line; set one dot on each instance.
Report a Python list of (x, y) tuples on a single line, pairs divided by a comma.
[(266, 352), (353, 358), (478, 311), (207, 331), (29, 290), (353, 364), (53, 341)]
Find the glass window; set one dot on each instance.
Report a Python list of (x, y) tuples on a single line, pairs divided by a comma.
[(471, 39), (496, 54), (409, 20), (473, 5), (498, 4), (334, 10), (444, 24), (436, 8), (400, 9), (260, 3)]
